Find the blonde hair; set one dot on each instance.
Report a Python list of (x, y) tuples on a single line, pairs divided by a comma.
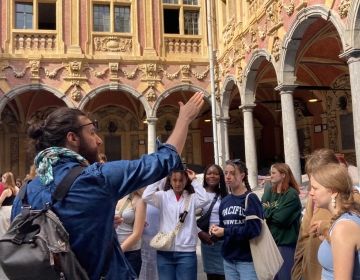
[(318, 158), (289, 179), (10, 182), (335, 177)]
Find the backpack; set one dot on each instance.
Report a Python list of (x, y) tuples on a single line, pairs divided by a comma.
[(36, 246)]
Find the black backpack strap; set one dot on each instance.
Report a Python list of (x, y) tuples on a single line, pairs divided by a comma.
[(65, 184)]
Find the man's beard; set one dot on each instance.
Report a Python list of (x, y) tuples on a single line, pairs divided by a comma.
[(91, 156)]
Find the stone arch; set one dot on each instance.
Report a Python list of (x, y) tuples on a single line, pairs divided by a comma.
[(294, 35), (228, 84), (183, 87), (31, 87), (250, 73), (353, 25), (117, 87)]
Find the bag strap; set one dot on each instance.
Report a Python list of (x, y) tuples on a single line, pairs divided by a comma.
[(183, 215), (211, 205), (59, 193), (126, 203), (65, 184), (251, 217)]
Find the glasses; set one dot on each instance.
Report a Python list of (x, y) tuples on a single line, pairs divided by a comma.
[(234, 161), (94, 123)]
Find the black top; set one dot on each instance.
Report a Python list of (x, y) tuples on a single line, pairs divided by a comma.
[(8, 201)]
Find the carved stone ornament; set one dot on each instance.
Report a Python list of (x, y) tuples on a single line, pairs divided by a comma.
[(17, 74), (275, 50), (76, 94), (344, 7), (112, 44), (185, 72), (151, 95), (34, 68), (239, 73), (289, 9), (229, 32), (114, 69), (74, 68), (262, 33)]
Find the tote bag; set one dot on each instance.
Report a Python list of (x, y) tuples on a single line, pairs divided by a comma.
[(265, 253)]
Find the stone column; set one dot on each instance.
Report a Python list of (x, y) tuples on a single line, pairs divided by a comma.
[(149, 49), (250, 144), (151, 134), (74, 28), (353, 59), (291, 145), (224, 137)]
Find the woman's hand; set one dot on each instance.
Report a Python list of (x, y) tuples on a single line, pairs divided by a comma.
[(191, 174), (217, 231)]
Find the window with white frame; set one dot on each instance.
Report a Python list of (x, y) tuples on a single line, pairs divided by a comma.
[(181, 17), (43, 18), (105, 14)]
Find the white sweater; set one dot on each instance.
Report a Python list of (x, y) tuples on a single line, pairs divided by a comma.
[(171, 208)]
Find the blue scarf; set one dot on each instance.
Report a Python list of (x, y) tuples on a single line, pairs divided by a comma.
[(46, 159)]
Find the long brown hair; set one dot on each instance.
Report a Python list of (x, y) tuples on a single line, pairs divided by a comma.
[(288, 181), (336, 177), (10, 182)]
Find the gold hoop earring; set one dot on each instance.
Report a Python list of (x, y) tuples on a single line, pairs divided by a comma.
[(333, 202)]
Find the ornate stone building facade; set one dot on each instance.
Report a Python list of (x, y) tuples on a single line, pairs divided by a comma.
[(129, 62)]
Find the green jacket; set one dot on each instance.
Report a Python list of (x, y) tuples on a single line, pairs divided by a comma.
[(282, 212)]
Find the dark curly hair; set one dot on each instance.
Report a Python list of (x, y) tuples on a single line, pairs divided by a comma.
[(188, 185), (221, 190)]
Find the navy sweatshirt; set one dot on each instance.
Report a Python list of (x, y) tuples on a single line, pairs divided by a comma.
[(237, 231)]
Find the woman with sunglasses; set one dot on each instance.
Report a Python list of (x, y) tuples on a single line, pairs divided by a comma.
[(235, 231)]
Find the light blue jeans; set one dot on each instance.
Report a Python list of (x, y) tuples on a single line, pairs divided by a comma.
[(177, 265), (239, 270)]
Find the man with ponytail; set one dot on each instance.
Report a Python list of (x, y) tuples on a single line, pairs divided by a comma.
[(68, 138)]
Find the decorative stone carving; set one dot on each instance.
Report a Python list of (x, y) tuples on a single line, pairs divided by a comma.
[(34, 68), (228, 33), (114, 69), (113, 44), (253, 38), (276, 47), (76, 93), (289, 9), (74, 68), (169, 75), (239, 73), (274, 19), (262, 33), (343, 8), (17, 74), (131, 75), (151, 95), (200, 76), (52, 74), (185, 73)]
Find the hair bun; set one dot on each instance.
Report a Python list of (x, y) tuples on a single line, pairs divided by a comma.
[(36, 130)]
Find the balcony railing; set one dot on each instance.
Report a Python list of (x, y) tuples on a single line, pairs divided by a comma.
[(30, 41), (184, 46)]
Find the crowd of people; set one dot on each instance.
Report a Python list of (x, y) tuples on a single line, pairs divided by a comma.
[(114, 209)]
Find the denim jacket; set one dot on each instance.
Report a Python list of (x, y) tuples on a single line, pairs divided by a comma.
[(87, 212)]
